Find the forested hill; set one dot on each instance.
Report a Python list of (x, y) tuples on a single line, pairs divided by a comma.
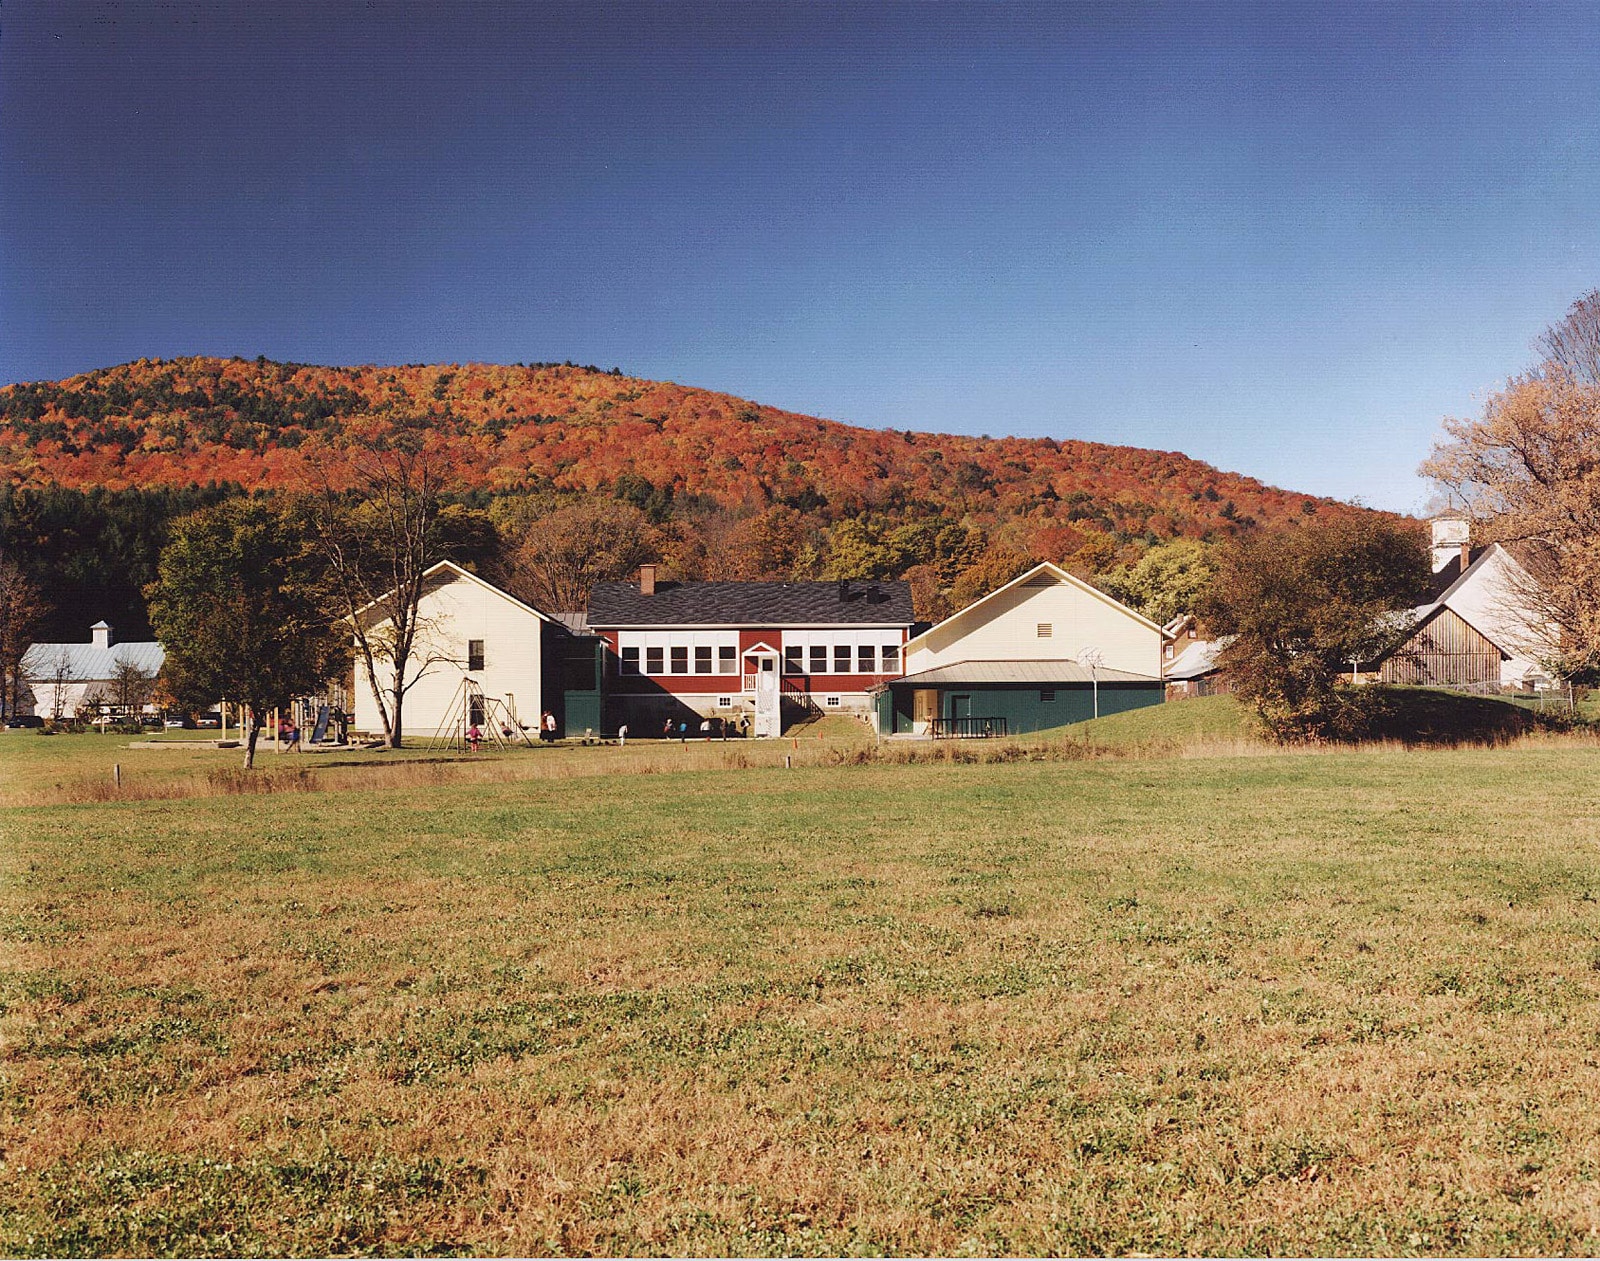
[(255, 423)]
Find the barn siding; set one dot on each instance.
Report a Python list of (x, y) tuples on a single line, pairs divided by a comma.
[(1444, 650)]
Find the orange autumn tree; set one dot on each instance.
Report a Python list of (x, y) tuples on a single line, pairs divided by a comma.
[(1528, 473)]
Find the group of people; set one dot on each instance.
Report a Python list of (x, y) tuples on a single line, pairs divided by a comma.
[(710, 728)]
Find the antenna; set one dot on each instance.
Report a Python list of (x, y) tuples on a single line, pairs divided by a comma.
[(1094, 659)]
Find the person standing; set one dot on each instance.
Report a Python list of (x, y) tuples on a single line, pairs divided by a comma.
[(622, 736), (473, 736)]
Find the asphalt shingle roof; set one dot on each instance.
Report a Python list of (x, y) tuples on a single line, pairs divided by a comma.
[(752, 604)]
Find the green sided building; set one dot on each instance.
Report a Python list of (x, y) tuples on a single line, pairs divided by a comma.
[(1044, 650), (1000, 698)]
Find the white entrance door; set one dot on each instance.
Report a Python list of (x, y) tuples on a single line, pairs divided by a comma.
[(762, 669)]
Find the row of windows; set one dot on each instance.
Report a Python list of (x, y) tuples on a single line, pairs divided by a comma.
[(797, 659), (724, 660), (814, 660), (726, 702)]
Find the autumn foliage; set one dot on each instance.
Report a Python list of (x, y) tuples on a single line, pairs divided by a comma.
[(720, 488), (513, 428)]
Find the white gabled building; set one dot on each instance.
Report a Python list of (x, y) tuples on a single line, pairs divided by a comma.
[(479, 654), (72, 680), (1041, 651), (1482, 629)]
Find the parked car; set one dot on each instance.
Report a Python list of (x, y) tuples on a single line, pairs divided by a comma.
[(18, 721), (211, 718), (175, 722)]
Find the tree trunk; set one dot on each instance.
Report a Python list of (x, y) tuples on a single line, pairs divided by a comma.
[(393, 734), (373, 686), (250, 741)]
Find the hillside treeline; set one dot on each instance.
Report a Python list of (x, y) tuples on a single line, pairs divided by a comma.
[(95, 467)]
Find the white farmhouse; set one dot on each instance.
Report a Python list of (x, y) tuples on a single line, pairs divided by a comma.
[(478, 658), (74, 680)]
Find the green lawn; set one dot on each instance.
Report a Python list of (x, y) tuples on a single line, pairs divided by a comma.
[(1200, 720), (1340, 1002)]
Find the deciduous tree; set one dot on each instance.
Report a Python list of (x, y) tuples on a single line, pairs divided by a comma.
[(1301, 605), (1527, 471), (556, 556), (1166, 581), (130, 687), (240, 608), (375, 513), (22, 612)]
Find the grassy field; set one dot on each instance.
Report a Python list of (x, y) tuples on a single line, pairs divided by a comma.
[(1331, 1002)]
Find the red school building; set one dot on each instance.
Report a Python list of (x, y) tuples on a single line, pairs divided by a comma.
[(753, 654)]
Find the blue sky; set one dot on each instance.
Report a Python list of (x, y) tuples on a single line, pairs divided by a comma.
[(1286, 239)]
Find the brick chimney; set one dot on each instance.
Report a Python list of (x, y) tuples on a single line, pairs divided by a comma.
[(647, 579)]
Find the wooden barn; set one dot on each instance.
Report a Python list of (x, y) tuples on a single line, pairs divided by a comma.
[(1445, 651), (1482, 630)]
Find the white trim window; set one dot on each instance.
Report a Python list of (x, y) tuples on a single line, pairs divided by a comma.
[(868, 650)]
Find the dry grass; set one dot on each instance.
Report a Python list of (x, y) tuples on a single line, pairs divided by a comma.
[(1341, 1003), (68, 770)]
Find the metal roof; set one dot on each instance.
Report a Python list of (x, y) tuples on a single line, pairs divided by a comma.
[(1198, 658), (755, 604), (86, 663), (1032, 673)]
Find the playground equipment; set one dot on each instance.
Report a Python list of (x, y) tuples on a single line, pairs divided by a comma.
[(495, 720)]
